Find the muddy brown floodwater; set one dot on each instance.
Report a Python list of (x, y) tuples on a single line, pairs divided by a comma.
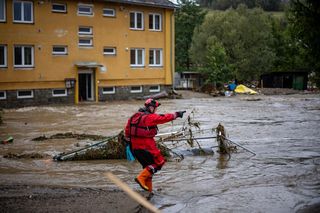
[(284, 132)]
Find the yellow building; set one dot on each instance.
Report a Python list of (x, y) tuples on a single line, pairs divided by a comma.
[(72, 51)]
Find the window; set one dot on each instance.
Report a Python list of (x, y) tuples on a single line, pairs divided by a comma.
[(136, 20), (85, 31), (59, 92), (85, 36), (85, 42), (23, 11), (154, 88), (85, 9), (136, 89), (2, 10), (59, 8), (24, 94), (108, 90), (109, 12), (3, 55), (155, 22), (3, 95), (59, 50), (109, 51), (23, 56), (137, 57), (155, 57)]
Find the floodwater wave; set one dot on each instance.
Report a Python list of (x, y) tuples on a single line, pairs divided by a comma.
[(282, 130)]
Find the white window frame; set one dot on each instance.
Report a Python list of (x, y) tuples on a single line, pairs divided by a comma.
[(110, 10), (85, 30), (23, 3), (81, 13), (109, 92), (153, 52), (90, 44), (135, 27), (4, 12), (136, 91), (22, 56), (26, 96), (4, 95), (136, 52), (57, 10), (114, 51), (154, 21), (65, 52), (5, 55), (59, 95), (154, 90), (85, 34)]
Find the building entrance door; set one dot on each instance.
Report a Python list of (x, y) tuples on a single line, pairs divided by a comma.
[(86, 86), (298, 83)]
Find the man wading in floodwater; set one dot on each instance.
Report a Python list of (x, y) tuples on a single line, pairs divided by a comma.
[(140, 131)]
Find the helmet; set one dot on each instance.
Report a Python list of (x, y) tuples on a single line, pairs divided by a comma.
[(151, 102)]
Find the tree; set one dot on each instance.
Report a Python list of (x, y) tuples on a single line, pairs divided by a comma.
[(304, 19), (246, 37), (218, 70), (268, 5), (187, 18), (289, 53)]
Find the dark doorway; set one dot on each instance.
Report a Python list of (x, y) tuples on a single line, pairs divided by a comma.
[(287, 81), (86, 87)]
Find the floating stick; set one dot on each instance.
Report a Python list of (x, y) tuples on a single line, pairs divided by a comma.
[(134, 195)]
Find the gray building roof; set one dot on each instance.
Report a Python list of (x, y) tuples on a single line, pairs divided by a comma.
[(150, 3)]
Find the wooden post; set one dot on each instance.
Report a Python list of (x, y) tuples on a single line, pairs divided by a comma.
[(134, 195)]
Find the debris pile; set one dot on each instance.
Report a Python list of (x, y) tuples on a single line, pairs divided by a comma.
[(224, 146), (8, 140), (32, 155), (172, 94), (187, 137), (70, 135), (170, 144)]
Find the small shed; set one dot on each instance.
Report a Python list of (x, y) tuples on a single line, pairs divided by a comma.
[(293, 80), (188, 80)]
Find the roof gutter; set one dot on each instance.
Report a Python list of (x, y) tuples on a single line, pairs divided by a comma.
[(145, 3)]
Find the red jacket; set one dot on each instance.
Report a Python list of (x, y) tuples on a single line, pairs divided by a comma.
[(148, 143)]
